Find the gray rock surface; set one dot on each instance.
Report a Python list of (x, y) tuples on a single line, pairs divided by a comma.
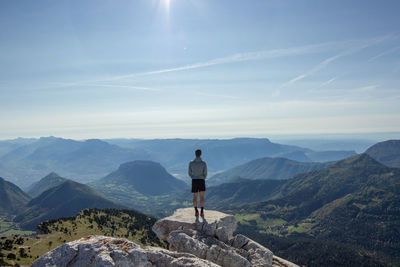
[(108, 251), (211, 238), (207, 241), (279, 262), (214, 224), (206, 247), (257, 254)]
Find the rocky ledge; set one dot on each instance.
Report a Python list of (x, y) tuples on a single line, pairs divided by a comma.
[(201, 241)]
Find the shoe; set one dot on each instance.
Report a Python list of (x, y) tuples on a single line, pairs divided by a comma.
[(196, 214), (202, 213)]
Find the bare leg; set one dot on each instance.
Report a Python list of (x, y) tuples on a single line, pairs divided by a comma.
[(195, 199), (201, 198)]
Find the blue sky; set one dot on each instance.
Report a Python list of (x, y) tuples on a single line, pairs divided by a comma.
[(198, 68)]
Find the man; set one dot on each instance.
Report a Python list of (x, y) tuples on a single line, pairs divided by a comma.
[(198, 173)]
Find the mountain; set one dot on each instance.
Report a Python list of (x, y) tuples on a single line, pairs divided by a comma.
[(267, 168), (12, 198), (358, 194), (359, 144), (140, 185), (70, 158), (175, 154), (7, 146), (63, 200), (222, 154), (239, 191), (27, 161), (330, 155), (51, 180), (387, 152), (145, 177), (128, 224)]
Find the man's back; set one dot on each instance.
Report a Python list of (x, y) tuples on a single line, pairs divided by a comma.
[(198, 169)]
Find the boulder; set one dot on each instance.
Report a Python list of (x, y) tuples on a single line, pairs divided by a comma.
[(279, 262), (214, 224), (206, 247), (257, 254), (240, 251), (108, 251)]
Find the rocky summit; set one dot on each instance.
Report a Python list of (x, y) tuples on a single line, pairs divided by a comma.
[(193, 241), (107, 251), (214, 223)]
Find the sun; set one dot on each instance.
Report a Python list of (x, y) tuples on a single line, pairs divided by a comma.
[(166, 4)]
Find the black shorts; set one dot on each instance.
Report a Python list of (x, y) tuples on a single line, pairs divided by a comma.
[(198, 185)]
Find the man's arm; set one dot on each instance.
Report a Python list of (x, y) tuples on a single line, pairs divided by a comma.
[(190, 171), (205, 170)]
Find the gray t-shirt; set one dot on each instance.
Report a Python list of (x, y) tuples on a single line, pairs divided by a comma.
[(197, 169)]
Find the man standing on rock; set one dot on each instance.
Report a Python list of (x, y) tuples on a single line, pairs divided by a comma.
[(198, 173)]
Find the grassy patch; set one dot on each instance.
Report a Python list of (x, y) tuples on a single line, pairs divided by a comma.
[(116, 223), (9, 228), (266, 225)]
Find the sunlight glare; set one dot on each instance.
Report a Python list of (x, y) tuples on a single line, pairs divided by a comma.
[(167, 4)]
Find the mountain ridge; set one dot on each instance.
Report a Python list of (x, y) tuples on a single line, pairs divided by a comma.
[(47, 182), (12, 198), (358, 194), (386, 152), (63, 200), (267, 168)]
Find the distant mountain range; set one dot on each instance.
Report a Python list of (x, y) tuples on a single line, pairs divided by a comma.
[(12, 198), (358, 144), (387, 152), (221, 155), (63, 200), (25, 161), (82, 160), (266, 168)]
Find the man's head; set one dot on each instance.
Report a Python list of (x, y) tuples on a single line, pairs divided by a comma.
[(198, 152)]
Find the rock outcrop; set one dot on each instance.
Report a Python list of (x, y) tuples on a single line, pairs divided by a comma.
[(201, 241), (215, 224), (211, 238), (107, 251)]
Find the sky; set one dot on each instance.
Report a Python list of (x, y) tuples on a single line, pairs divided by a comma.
[(198, 68)]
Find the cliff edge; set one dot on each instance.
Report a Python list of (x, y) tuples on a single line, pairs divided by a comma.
[(193, 241)]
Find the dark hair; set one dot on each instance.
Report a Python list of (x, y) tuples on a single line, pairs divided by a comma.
[(198, 152)]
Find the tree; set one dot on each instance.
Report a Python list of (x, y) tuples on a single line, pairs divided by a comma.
[(11, 256)]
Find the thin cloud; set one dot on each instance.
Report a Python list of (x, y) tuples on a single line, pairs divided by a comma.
[(394, 49), (140, 88), (240, 57), (217, 95), (328, 82), (331, 59), (317, 68), (259, 55), (298, 78), (367, 88), (89, 84)]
